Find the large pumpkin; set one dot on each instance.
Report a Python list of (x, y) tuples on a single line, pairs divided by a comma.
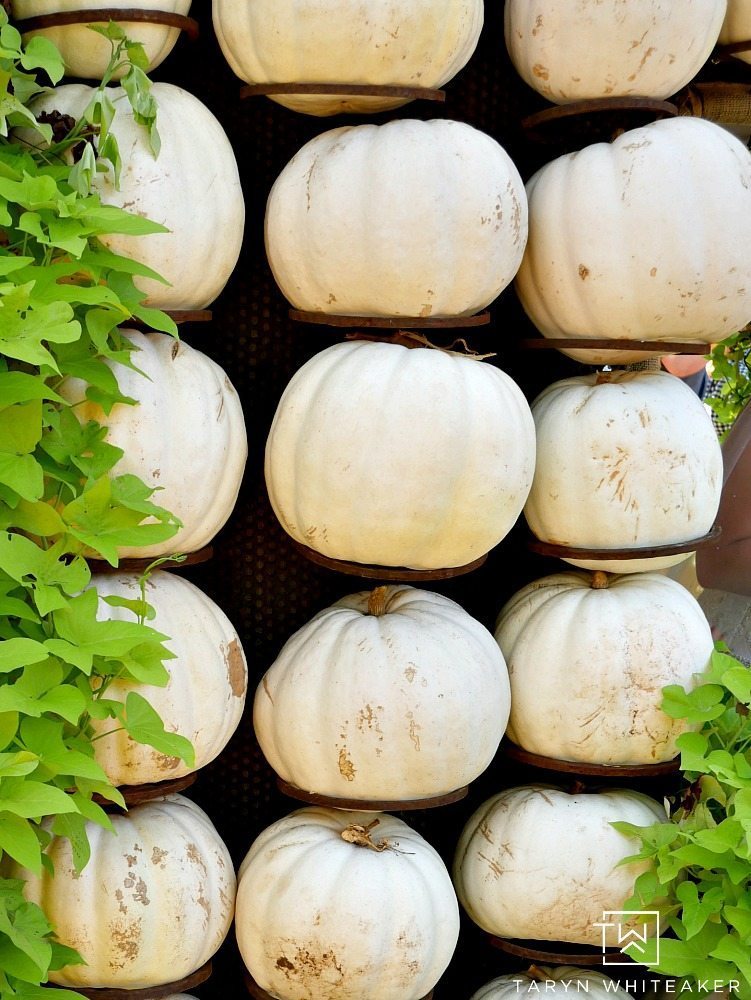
[(153, 904), (539, 863), (381, 454), (543, 979), (624, 460), (85, 52), (410, 43), (588, 657), (607, 48), (614, 253), (393, 694), (193, 189), (347, 905), (185, 437), (410, 218), (205, 695), (737, 26)]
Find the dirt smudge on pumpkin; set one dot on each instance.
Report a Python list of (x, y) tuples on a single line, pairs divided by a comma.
[(583, 272), (310, 965), (346, 767), (126, 939), (233, 657), (165, 763)]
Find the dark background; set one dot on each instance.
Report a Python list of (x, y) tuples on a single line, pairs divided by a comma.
[(263, 585)]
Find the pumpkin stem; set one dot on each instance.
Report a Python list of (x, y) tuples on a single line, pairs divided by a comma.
[(603, 377), (360, 837), (600, 580), (411, 339), (377, 601), (535, 972)]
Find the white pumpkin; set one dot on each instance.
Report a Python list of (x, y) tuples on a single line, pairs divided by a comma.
[(205, 695), (608, 48), (381, 454), (588, 657), (153, 904), (411, 43), (330, 904), (393, 694), (613, 251), (624, 460), (539, 863), (542, 979), (193, 189), (737, 26), (86, 53), (410, 218), (185, 437)]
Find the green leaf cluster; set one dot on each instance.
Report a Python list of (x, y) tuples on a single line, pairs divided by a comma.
[(700, 877), (63, 296), (730, 363)]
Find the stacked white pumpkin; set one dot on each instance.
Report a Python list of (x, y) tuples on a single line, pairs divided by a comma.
[(407, 44), (396, 696), (626, 460), (168, 878)]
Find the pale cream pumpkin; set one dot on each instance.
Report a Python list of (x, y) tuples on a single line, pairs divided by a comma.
[(613, 253), (330, 905), (193, 189), (410, 218), (205, 695), (737, 26), (410, 43), (86, 53), (539, 863), (393, 694), (381, 454), (610, 48), (588, 658), (542, 979), (185, 437), (153, 904), (624, 460)]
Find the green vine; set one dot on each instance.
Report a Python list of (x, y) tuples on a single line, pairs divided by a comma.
[(62, 296), (701, 879), (730, 366)]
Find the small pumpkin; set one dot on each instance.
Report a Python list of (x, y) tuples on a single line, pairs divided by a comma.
[(205, 695), (613, 253), (625, 459), (86, 53), (588, 658), (393, 694), (345, 904), (410, 218), (198, 465), (153, 904), (544, 979), (192, 188), (539, 863), (608, 48), (408, 43), (381, 454)]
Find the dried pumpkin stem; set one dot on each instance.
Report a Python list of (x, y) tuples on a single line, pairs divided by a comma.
[(603, 377), (600, 580), (377, 601), (360, 837), (411, 339), (535, 972)]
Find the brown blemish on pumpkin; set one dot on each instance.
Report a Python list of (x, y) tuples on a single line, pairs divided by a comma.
[(583, 272), (126, 939), (120, 901), (165, 763), (236, 668), (484, 830), (131, 860), (312, 967), (652, 272), (540, 71), (175, 349), (158, 856), (492, 865), (346, 767), (414, 731), (284, 963), (409, 673), (194, 855)]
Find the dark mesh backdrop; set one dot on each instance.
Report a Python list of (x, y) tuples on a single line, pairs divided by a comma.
[(263, 585)]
